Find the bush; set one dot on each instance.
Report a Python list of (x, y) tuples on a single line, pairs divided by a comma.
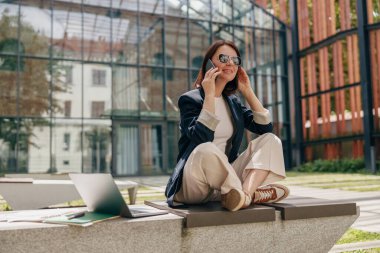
[(342, 165)]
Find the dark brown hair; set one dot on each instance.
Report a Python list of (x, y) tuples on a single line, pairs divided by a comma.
[(232, 86)]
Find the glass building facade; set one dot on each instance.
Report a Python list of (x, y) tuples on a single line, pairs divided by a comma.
[(92, 86)]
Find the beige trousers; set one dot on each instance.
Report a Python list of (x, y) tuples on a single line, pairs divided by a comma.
[(208, 174)]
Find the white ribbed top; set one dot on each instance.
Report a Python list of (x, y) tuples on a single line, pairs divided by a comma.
[(225, 128)]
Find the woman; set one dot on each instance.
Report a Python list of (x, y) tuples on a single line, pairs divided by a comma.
[(212, 125)]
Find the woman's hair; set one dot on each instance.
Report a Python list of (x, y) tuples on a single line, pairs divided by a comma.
[(231, 86)]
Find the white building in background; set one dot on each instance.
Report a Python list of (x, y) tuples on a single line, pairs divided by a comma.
[(67, 124)]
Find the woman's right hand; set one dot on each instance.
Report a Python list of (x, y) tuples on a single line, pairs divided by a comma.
[(208, 82)]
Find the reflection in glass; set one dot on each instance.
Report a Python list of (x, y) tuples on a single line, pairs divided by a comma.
[(264, 52), (68, 99), (222, 11), (222, 32), (151, 100), (8, 89), (35, 35), (36, 154), (35, 88), (67, 31), (199, 9), (125, 91), (244, 41), (175, 88), (199, 41), (127, 150), (96, 34), (97, 147), (151, 40), (176, 42), (151, 143), (66, 145), (262, 19), (172, 140), (176, 8), (97, 85), (124, 36), (243, 12)]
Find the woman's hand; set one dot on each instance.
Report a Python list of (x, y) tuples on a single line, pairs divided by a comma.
[(208, 82), (244, 85)]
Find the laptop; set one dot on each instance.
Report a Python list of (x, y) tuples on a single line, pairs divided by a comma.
[(101, 195)]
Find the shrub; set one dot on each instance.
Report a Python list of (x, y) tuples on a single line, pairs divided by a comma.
[(342, 165)]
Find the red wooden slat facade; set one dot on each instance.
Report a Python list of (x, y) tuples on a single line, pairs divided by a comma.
[(339, 113)]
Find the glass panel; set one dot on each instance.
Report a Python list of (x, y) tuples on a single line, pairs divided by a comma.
[(175, 87), (151, 143), (97, 90), (34, 88), (222, 11), (124, 33), (151, 102), (222, 32), (8, 35), (67, 94), (199, 42), (176, 8), (151, 7), (264, 52), (35, 36), (8, 86), (243, 12), (97, 146), (377, 153), (262, 19), (375, 76), (199, 9), (176, 42), (127, 155), (125, 91), (373, 11), (24, 145), (151, 29), (96, 34), (66, 145), (173, 137), (34, 146), (67, 31), (244, 41)]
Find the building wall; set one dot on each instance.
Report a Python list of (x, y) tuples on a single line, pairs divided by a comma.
[(92, 86)]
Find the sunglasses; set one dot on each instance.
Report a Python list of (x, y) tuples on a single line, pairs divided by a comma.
[(223, 58)]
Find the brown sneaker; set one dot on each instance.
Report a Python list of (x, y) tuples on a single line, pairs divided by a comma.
[(235, 200), (270, 193)]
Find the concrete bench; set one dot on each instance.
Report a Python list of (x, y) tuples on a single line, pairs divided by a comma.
[(28, 193), (206, 228)]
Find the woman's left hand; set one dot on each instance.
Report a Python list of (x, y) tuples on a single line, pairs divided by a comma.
[(244, 85)]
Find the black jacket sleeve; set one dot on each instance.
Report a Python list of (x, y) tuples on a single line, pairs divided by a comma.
[(192, 124), (251, 125)]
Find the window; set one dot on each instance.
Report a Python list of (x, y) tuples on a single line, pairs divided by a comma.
[(67, 110), (97, 108), (69, 75), (66, 142), (98, 77)]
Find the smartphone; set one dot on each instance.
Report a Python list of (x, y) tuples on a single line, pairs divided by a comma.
[(209, 65)]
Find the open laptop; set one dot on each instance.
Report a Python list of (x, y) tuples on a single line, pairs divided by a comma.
[(100, 193)]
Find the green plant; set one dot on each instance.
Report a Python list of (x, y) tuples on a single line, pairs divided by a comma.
[(342, 165)]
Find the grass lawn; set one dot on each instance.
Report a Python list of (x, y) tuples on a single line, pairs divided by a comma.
[(342, 181)]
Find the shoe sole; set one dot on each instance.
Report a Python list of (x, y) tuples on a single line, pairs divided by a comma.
[(234, 200), (284, 188)]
